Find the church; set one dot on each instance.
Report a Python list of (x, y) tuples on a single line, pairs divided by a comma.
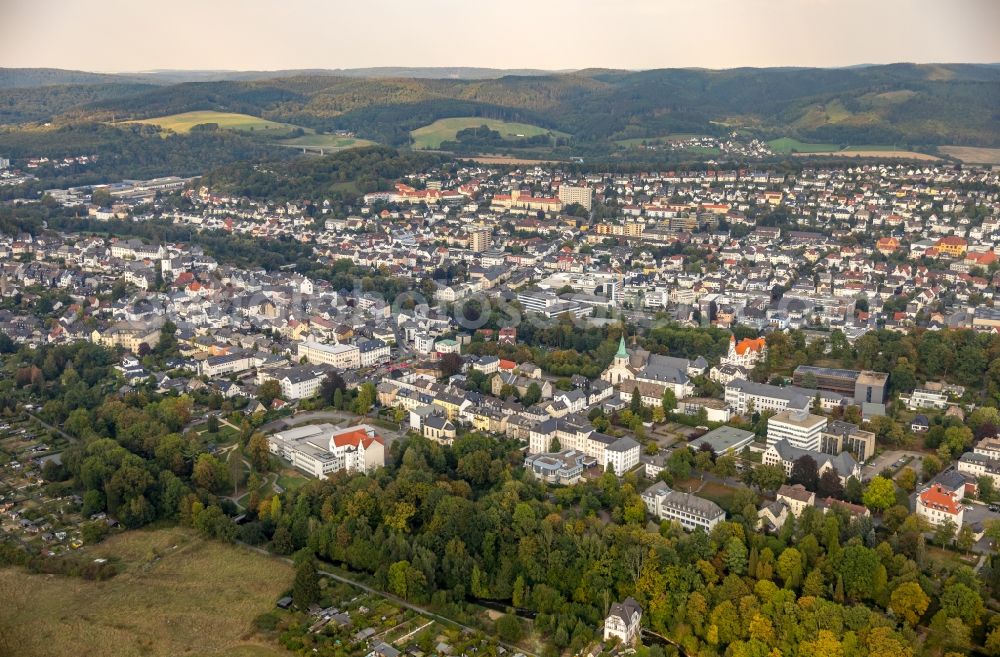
[(651, 374)]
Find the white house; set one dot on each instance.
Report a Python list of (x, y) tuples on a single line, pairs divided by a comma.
[(623, 622)]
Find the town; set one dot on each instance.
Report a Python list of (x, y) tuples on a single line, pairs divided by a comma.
[(703, 352)]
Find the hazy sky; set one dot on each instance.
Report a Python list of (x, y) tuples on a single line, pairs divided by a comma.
[(135, 35)]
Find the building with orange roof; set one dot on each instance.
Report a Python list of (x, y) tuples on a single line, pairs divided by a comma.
[(745, 353), (952, 245), (939, 504), (321, 449), (887, 245)]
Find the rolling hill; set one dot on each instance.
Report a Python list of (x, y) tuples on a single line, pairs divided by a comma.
[(906, 104)]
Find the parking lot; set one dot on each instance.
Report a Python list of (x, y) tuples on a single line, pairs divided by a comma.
[(890, 460)]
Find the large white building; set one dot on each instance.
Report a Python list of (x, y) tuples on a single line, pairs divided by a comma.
[(800, 428), (569, 194), (746, 396), (575, 433), (342, 356), (691, 511), (320, 449), (372, 352), (938, 504)]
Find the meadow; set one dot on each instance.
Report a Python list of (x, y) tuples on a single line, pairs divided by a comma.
[(176, 594), (431, 136), (182, 123)]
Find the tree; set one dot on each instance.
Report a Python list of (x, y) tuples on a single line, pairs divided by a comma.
[(532, 395), (965, 538), (554, 445), (829, 484), (789, 567), (669, 401), (365, 399), (959, 601), (805, 472), (259, 452), (880, 494), (910, 602), (209, 473), (769, 477), (332, 383), (268, 392), (508, 628), (735, 556), (907, 479), (853, 490), (213, 424), (451, 364), (305, 587), (944, 532)]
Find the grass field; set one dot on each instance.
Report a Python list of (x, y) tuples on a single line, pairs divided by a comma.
[(431, 136), (182, 123), (972, 154), (639, 141), (787, 145), (326, 141), (178, 594)]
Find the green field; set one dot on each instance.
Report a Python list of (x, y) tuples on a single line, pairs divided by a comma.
[(431, 136), (325, 141), (182, 123), (175, 594), (654, 141), (787, 145)]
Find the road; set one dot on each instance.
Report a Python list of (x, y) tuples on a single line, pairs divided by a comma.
[(51, 428), (391, 598)]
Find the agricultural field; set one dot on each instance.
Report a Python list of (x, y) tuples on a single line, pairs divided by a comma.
[(175, 594), (182, 123), (655, 141), (787, 145), (431, 136), (325, 141), (972, 154)]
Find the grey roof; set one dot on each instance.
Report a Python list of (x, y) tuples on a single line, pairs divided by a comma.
[(843, 462), (723, 438), (623, 445), (666, 368), (624, 610)]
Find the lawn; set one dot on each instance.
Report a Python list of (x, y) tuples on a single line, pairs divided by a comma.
[(177, 594), (182, 123), (431, 136), (289, 479)]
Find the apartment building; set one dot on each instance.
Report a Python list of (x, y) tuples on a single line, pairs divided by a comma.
[(341, 356), (569, 194), (800, 428), (691, 511)]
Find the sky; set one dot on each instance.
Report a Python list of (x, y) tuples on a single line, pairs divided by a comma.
[(138, 35)]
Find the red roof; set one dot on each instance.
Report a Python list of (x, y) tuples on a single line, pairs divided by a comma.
[(940, 498), (355, 438), (507, 364)]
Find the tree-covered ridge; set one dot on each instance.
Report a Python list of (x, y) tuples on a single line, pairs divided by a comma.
[(900, 103)]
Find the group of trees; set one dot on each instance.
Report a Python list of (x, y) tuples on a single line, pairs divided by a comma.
[(444, 525)]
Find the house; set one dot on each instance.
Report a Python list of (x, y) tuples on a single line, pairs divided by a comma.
[(939, 504), (623, 622), (772, 516), (920, 423), (796, 497)]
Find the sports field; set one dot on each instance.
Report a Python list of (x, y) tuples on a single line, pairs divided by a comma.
[(431, 136), (182, 123), (178, 594)]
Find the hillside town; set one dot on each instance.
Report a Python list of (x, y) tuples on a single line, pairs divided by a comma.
[(562, 311)]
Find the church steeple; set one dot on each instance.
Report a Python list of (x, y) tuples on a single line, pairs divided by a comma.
[(621, 349)]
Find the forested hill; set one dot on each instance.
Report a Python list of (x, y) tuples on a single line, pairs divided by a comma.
[(878, 104), (891, 104)]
